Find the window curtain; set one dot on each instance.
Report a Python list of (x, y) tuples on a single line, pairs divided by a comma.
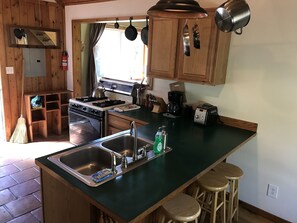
[(96, 31)]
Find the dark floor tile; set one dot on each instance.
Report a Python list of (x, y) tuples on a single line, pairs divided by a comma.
[(4, 215), (7, 170), (23, 205), (25, 188), (38, 214), (6, 182), (25, 175), (25, 164), (6, 196), (38, 195), (26, 218)]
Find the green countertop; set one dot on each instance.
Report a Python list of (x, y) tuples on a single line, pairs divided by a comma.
[(195, 149)]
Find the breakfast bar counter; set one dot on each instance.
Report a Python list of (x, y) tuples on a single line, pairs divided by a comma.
[(134, 196)]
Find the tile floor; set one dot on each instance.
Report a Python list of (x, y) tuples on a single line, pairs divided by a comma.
[(20, 196)]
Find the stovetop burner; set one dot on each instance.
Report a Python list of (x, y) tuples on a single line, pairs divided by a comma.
[(108, 103), (89, 99)]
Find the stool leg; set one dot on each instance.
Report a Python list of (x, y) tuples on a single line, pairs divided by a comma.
[(223, 211), (236, 199), (214, 204), (231, 201), (204, 200)]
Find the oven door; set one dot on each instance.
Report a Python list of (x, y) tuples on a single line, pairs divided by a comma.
[(84, 127)]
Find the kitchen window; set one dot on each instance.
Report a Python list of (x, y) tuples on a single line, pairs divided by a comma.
[(116, 57)]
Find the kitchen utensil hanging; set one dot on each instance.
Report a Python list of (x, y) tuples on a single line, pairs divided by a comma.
[(116, 24), (130, 31), (144, 33), (196, 36), (186, 39), (232, 15)]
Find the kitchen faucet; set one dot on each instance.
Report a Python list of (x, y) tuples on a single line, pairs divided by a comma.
[(133, 130)]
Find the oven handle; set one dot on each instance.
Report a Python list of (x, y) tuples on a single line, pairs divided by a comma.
[(87, 115)]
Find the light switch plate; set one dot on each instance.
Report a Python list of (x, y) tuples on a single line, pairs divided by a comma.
[(9, 70)]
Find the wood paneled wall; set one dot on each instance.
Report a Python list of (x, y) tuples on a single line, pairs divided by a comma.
[(32, 13), (77, 2)]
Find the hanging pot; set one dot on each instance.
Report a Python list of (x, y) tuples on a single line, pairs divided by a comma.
[(116, 25), (130, 31), (233, 15), (144, 33)]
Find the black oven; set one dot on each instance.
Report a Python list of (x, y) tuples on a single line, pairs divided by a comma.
[(85, 125)]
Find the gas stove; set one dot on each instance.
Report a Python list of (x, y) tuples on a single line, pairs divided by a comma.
[(94, 106), (89, 99)]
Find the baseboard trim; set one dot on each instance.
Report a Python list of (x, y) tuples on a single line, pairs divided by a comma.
[(262, 213)]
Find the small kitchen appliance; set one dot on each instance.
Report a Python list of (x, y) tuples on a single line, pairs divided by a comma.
[(206, 114), (175, 102)]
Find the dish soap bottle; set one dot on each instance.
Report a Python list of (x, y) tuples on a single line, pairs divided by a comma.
[(159, 141)]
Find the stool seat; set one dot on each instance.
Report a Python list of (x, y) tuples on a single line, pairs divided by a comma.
[(213, 181), (183, 208), (230, 171)]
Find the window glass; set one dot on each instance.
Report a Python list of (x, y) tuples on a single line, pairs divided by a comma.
[(117, 57)]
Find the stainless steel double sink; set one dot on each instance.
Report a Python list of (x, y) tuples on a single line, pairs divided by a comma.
[(114, 153)]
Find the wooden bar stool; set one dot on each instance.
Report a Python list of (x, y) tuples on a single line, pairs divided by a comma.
[(232, 173), (182, 208), (210, 192)]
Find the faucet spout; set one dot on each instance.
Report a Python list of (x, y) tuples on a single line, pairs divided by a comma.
[(133, 130)]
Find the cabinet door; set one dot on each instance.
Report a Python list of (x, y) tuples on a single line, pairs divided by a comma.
[(208, 64), (162, 47)]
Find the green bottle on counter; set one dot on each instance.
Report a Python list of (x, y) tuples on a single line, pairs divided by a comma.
[(159, 141)]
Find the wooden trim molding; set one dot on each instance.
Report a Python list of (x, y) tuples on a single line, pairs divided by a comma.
[(261, 212), (251, 126)]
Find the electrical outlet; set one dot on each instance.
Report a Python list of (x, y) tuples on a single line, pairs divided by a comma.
[(272, 191), (9, 70)]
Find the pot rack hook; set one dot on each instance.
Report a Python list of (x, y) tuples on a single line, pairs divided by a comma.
[(238, 31)]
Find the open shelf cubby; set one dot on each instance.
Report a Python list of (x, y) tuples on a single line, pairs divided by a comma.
[(48, 113)]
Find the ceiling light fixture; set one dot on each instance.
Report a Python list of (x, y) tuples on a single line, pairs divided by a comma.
[(177, 9)]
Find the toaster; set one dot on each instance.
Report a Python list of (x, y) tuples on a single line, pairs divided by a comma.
[(206, 114)]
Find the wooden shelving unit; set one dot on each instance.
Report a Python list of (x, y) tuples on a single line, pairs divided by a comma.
[(52, 114)]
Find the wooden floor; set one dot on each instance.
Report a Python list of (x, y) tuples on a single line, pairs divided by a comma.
[(246, 216), (20, 153)]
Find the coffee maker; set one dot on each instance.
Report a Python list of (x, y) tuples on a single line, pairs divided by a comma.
[(175, 102)]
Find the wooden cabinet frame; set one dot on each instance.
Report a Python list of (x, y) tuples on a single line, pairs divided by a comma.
[(206, 65)]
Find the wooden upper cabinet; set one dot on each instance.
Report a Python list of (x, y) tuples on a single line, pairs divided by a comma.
[(206, 65), (162, 47)]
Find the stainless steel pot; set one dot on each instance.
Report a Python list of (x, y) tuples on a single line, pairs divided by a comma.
[(233, 15)]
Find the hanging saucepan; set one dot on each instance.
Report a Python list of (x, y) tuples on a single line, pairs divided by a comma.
[(130, 31), (116, 25), (144, 33), (233, 15)]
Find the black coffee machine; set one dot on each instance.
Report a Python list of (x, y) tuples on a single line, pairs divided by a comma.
[(175, 102)]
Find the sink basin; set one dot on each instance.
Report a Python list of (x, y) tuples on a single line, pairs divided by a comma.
[(84, 161), (88, 160), (124, 144)]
